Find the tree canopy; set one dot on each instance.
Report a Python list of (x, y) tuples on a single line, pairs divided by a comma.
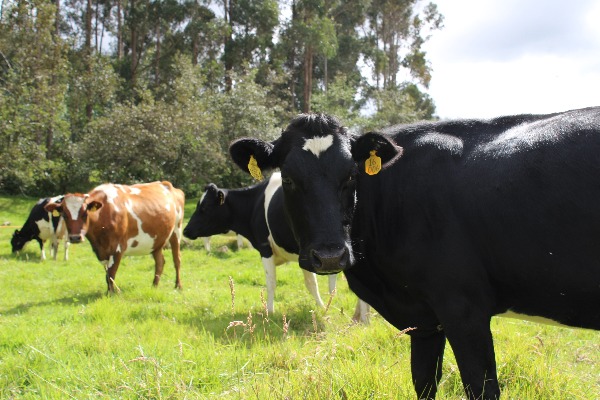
[(137, 90)]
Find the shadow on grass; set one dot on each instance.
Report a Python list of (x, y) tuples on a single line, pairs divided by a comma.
[(84, 298)]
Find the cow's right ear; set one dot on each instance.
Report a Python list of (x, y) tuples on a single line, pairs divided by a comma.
[(252, 156), (94, 206)]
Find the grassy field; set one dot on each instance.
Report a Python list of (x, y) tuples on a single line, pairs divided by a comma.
[(62, 337)]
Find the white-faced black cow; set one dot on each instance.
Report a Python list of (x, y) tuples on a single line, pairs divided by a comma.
[(121, 220), (256, 213), (465, 220), (41, 226)]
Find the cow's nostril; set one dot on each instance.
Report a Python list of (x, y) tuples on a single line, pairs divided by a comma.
[(75, 238), (329, 260)]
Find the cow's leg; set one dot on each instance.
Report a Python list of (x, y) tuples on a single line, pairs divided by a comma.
[(54, 247), (240, 242), (42, 251), (206, 243), (310, 281), (362, 312), (466, 323), (159, 263), (426, 356), (112, 265), (269, 266), (176, 250), (67, 244), (332, 281)]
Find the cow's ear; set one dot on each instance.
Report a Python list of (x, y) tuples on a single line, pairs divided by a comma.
[(252, 156), (375, 151), (53, 207), (94, 206), (221, 194)]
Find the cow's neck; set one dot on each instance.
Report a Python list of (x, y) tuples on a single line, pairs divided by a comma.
[(242, 203)]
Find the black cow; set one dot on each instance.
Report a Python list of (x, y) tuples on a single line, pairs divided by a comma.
[(256, 213), (465, 220), (41, 226)]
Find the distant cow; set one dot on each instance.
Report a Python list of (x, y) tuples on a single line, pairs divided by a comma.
[(256, 213), (440, 226), (123, 220), (41, 226)]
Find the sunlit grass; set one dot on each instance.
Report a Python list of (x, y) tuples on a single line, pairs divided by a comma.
[(61, 336)]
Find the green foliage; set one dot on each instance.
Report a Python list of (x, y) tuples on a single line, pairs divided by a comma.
[(62, 337), (133, 90)]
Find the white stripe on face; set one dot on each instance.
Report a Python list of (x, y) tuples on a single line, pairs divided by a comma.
[(318, 145), (74, 204)]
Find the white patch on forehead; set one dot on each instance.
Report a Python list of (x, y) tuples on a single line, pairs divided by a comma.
[(318, 145), (74, 204)]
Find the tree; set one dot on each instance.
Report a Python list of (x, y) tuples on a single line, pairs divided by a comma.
[(32, 100)]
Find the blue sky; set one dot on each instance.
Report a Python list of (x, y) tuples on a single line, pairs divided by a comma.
[(500, 57)]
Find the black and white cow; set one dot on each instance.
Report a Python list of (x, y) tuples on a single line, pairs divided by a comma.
[(465, 220), (256, 213), (41, 226)]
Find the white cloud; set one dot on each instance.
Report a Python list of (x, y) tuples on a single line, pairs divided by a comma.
[(499, 57)]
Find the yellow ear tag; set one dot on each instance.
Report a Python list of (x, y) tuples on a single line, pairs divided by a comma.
[(254, 169), (93, 208), (373, 163), (55, 213)]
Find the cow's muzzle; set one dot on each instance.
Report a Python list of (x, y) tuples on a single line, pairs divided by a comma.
[(329, 260), (75, 238)]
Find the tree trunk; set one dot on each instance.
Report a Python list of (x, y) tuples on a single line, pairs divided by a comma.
[(134, 53), (119, 31), (88, 56), (308, 64)]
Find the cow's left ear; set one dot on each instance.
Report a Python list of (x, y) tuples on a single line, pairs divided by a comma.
[(221, 194), (54, 207), (252, 156), (94, 206), (375, 151)]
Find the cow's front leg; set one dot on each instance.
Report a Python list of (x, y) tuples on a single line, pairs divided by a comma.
[(43, 252), (467, 328), (426, 356), (112, 265)]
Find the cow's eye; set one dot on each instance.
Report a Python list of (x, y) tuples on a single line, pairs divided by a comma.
[(288, 183)]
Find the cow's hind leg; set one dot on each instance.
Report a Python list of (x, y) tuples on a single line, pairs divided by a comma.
[(159, 263), (269, 266), (426, 356), (174, 242)]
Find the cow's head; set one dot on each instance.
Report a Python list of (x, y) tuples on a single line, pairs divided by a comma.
[(320, 162), (75, 209), (212, 215), (18, 240)]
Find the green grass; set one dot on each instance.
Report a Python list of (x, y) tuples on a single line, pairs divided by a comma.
[(62, 337)]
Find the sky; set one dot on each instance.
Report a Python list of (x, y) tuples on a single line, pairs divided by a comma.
[(502, 57)]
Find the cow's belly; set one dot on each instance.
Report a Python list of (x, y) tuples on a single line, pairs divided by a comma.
[(280, 255), (45, 228), (531, 318), (141, 244)]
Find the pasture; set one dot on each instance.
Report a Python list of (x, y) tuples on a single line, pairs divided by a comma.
[(62, 337)]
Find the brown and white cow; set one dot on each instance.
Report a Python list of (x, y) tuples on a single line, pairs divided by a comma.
[(123, 220)]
